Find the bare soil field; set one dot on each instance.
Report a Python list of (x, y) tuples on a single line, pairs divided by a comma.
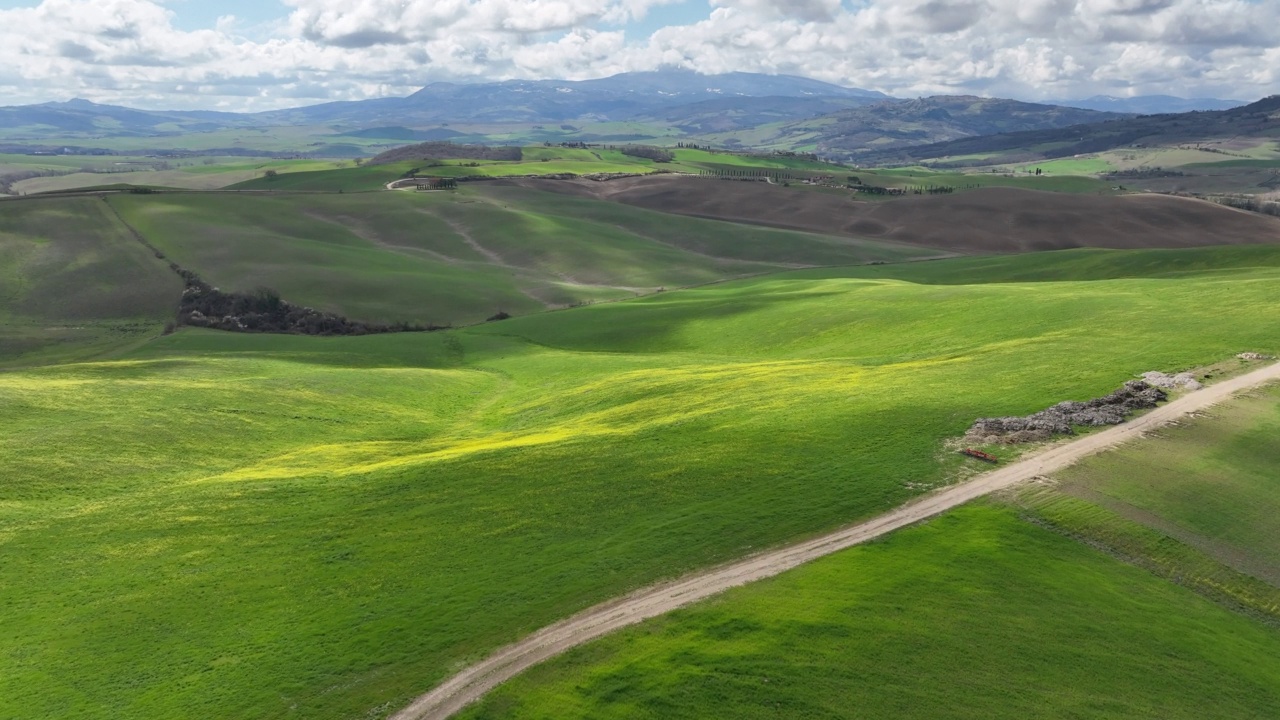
[(985, 220)]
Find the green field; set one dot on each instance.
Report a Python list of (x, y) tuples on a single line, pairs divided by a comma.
[(75, 284), (269, 526), (190, 174), (459, 258), (536, 161), (974, 615), (72, 172), (989, 616), (1208, 484), (916, 177)]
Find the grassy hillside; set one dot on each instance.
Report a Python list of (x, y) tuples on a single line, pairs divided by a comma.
[(446, 258), (881, 127), (260, 526), (209, 173), (535, 161), (989, 616), (74, 283), (1241, 127), (985, 220), (973, 615), (1208, 484)]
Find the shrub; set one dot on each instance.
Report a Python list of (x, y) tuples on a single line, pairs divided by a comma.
[(657, 155)]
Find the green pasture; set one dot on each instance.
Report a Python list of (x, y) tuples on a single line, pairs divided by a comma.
[(74, 283), (1253, 164), (311, 139), (974, 615), (708, 159), (459, 258), (1210, 483), (367, 178), (268, 526), (538, 160), (1091, 165), (195, 173), (916, 176), (1064, 266)]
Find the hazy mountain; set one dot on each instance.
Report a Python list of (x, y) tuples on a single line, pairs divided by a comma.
[(621, 97), (80, 118), (737, 113), (878, 126), (1260, 120), (1149, 104)]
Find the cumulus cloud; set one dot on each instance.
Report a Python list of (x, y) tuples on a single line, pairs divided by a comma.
[(805, 10), (130, 51)]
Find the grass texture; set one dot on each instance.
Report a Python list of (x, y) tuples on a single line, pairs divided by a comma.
[(445, 258), (1208, 483), (254, 526), (74, 283), (972, 615)]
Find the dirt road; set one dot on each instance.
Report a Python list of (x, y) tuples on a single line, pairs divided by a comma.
[(472, 683)]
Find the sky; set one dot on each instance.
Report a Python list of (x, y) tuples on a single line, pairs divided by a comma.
[(264, 54)]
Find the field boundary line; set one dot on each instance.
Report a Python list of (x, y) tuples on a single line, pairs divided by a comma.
[(474, 682)]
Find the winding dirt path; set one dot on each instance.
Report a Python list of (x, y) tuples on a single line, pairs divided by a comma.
[(472, 683)]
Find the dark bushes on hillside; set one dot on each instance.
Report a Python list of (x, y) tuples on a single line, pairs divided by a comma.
[(446, 151), (657, 155), (265, 312), (1248, 202)]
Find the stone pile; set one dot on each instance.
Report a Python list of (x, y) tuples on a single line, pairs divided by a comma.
[(1255, 357), (1180, 381), (1063, 418)]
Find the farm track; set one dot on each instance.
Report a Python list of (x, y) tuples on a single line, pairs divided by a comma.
[(472, 683)]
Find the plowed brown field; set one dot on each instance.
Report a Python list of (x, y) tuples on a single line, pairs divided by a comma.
[(999, 220)]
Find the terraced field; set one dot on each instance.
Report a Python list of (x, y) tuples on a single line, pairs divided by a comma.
[(261, 526)]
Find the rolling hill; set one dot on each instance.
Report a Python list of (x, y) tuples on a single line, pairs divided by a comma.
[(256, 525), (990, 219), (75, 284), (1236, 128), (1102, 561), (1149, 104), (621, 97), (879, 127), (74, 277), (82, 119), (200, 523)]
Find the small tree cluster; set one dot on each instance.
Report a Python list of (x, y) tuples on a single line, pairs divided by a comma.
[(264, 311), (657, 155)]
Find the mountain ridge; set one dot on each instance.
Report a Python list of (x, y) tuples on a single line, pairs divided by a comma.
[(1256, 120)]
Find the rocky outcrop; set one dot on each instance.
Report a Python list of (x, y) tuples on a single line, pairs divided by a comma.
[(1064, 418)]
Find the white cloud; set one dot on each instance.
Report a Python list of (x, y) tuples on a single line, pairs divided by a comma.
[(129, 51)]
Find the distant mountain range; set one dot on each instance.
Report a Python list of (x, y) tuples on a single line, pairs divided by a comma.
[(626, 97), (622, 97), (1149, 104), (1260, 120), (81, 118), (850, 133), (732, 110)]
